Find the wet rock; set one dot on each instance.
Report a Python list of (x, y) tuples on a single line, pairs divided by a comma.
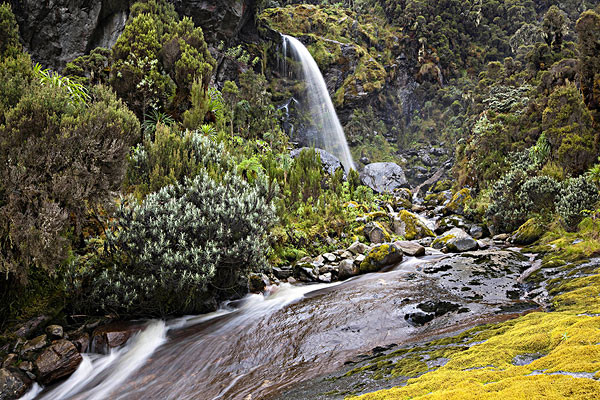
[(418, 318), (13, 384), (381, 256), (9, 360), (34, 344), (306, 273), (59, 360), (525, 359), (376, 233), (383, 177), (426, 159), (347, 269), (409, 226), (81, 341), (112, 335), (410, 248), (358, 248), (437, 307), (54, 331), (27, 329), (291, 280), (330, 162), (501, 237), (257, 282), (455, 240), (359, 259), (283, 272)]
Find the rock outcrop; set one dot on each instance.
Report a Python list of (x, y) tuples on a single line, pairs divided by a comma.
[(383, 177)]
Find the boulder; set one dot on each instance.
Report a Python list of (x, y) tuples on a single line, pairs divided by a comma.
[(347, 269), (409, 226), (59, 360), (330, 162), (381, 256), (410, 248), (329, 257), (376, 233), (459, 202), (13, 384), (113, 335), (383, 177), (455, 240), (528, 233), (451, 221)]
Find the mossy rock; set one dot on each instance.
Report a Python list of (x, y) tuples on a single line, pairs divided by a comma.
[(529, 232), (442, 186), (409, 226), (376, 232), (459, 202), (381, 256)]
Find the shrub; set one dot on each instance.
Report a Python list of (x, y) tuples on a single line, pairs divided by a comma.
[(184, 248), (9, 32), (576, 195), (60, 160)]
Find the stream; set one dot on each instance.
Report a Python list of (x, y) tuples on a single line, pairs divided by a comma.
[(263, 345)]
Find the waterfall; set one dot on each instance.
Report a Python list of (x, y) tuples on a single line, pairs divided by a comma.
[(330, 133)]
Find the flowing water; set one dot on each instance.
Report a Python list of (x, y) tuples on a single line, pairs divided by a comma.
[(271, 342), (330, 135)]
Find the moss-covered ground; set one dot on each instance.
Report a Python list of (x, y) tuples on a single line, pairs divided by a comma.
[(542, 355)]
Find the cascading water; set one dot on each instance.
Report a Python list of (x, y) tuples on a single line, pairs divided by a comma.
[(330, 133)]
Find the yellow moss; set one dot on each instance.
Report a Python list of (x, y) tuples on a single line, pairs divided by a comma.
[(566, 340), (374, 258), (410, 226), (459, 201)]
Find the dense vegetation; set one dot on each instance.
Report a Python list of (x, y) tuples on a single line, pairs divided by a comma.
[(100, 161)]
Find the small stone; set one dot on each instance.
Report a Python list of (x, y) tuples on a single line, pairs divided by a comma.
[(25, 366), (346, 254), (501, 237), (291, 280), (360, 258), (54, 331), (257, 282), (358, 248), (325, 277), (476, 232), (329, 257), (113, 335), (81, 341), (283, 272), (28, 328), (411, 248)]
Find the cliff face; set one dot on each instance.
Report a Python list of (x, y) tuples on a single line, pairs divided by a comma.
[(57, 31)]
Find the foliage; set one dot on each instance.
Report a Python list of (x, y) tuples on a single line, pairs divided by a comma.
[(576, 196), (185, 247), (9, 33), (62, 159)]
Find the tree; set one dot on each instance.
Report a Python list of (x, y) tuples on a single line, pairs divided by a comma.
[(553, 26), (9, 33), (588, 33)]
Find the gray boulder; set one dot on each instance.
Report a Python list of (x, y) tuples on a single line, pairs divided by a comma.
[(330, 162), (347, 269), (455, 240), (383, 177)]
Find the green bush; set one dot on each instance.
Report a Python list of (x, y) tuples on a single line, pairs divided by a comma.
[(576, 196), (61, 159), (184, 248), (9, 33)]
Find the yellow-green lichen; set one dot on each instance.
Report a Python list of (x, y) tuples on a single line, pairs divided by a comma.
[(409, 226)]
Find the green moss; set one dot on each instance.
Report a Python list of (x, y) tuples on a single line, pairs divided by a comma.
[(529, 232), (410, 226), (459, 201), (376, 257)]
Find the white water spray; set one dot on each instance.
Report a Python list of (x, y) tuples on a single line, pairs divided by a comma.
[(331, 135)]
